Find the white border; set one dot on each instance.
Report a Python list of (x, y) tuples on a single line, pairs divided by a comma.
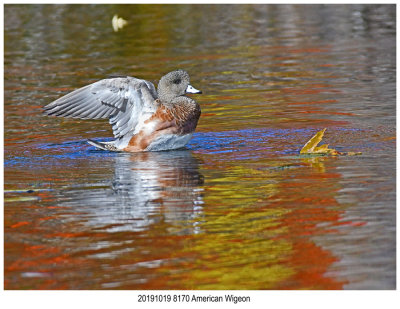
[(128, 299)]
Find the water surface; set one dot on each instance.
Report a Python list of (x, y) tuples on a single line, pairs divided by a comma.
[(238, 208)]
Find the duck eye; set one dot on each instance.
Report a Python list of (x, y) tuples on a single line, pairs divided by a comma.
[(177, 81)]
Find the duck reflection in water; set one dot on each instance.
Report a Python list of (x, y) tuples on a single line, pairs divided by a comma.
[(147, 188)]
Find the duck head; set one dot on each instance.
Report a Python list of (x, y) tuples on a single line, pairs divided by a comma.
[(175, 84)]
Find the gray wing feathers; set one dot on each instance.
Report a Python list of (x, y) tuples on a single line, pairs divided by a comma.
[(151, 88), (120, 99)]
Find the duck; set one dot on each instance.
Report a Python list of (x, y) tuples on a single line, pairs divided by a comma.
[(142, 118)]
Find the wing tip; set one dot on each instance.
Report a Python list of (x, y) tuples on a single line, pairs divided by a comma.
[(102, 146)]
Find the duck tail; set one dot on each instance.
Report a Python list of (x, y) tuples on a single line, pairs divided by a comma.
[(104, 146)]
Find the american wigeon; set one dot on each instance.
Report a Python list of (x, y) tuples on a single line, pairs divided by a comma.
[(142, 118)]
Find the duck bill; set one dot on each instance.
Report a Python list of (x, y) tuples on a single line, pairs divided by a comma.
[(191, 89)]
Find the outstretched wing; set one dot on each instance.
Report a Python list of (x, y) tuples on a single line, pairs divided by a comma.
[(122, 99)]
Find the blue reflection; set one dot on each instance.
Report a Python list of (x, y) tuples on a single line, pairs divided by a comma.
[(243, 142)]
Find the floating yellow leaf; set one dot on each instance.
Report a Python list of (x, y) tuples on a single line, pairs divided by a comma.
[(118, 23), (351, 153), (311, 147)]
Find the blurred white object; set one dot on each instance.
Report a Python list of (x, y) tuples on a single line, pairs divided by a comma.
[(118, 23)]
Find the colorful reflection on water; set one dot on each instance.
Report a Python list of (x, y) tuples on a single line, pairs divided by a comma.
[(239, 208)]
